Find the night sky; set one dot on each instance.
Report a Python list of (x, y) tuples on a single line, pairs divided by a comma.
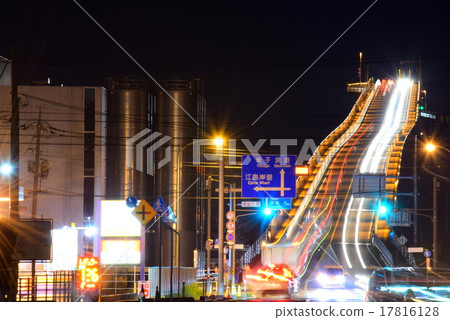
[(248, 52)]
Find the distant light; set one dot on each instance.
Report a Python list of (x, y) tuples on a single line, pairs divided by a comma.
[(382, 209), (6, 168), (430, 147), (90, 231), (218, 142), (302, 170)]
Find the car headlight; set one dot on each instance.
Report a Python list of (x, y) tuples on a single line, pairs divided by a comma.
[(323, 278)]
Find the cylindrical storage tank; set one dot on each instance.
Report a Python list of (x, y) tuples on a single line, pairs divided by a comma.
[(183, 127), (128, 110)]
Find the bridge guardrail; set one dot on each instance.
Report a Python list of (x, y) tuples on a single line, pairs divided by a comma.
[(333, 150), (383, 250), (365, 100)]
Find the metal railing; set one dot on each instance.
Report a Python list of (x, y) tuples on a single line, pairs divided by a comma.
[(383, 250), (403, 251), (252, 251), (58, 286)]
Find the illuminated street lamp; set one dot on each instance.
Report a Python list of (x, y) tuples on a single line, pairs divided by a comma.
[(6, 169), (430, 147), (219, 144)]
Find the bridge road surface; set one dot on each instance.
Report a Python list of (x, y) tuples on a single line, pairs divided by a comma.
[(335, 227)]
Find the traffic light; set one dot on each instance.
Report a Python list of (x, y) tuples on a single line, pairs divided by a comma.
[(383, 210), (422, 100)]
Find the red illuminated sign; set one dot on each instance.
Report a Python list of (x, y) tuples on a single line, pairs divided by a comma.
[(89, 269), (302, 170)]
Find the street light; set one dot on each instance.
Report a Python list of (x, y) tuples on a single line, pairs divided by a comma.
[(6, 169), (218, 142), (430, 147)]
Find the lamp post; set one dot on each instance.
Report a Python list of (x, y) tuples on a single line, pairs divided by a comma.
[(219, 144), (433, 218), (430, 147), (208, 234), (360, 66), (178, 193), (415, 191)]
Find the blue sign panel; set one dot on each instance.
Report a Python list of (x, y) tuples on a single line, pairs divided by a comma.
[(167, 215), (427, 253), (279, 203), (131, 202), (268, 176)]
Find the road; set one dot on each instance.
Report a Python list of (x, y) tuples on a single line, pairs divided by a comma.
[(330, 224)]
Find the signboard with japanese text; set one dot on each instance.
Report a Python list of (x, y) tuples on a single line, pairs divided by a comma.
[(278, 204), (89, 272), (268, 176)]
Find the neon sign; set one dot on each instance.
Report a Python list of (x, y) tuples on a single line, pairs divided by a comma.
[(88, 268)]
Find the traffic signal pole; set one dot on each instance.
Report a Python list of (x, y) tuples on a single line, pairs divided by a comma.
[(221, 217), (14, 159)]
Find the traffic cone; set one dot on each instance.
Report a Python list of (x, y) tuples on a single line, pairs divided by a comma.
[(239, 293), (227, 292), (233, 290)]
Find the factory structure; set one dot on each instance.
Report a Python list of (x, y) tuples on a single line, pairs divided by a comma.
[(84, 150)]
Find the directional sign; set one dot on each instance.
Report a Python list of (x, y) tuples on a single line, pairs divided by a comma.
[(250, 204), (268, 176), (144, 212), (279, 203), (427, 253)]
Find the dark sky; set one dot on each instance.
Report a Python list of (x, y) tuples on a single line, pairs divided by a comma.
[(248, 52)]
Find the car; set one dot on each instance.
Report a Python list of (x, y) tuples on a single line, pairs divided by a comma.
[(331, 277), (273, 279), (409, 284)]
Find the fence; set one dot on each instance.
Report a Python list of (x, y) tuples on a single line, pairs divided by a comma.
[(58, 286)]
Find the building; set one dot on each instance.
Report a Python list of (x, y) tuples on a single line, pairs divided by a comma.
[(62, 155)]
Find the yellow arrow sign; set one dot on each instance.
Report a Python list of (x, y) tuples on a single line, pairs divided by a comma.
[(144, 212)]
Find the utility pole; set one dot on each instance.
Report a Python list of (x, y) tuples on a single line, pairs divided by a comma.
[(435, 238), (360, 66), (415, 191), (12, 274), (208, 234), (233, 263), (36, 176), (37, 165), (221, 217)]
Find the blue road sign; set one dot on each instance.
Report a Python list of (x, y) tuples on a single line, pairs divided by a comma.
[(131, 202), (279, 203), (167, 215), (268, 176), (427, 253)]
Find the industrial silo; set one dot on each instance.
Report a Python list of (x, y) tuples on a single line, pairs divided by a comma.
[(180, 114), (129, 104)]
